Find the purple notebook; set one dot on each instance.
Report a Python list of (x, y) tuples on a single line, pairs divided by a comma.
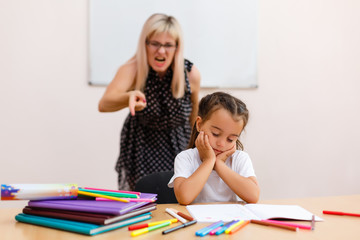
[(108, 207)]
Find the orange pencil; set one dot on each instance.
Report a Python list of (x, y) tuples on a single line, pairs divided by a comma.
[(274, 225), (237, 228)]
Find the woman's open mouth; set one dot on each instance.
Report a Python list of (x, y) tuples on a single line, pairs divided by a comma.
[(160, 61)]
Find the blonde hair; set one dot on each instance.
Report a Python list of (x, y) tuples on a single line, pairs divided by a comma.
[(161, 23)]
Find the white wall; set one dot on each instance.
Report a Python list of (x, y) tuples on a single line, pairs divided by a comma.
[(304, 129)]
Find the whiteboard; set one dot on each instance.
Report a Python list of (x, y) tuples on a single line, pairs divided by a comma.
[(220, 37)]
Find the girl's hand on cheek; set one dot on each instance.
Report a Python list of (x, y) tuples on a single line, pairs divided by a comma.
[(224, 155), (205, 150)]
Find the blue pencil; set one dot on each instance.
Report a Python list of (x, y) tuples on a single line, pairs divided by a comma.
[(204, 231)]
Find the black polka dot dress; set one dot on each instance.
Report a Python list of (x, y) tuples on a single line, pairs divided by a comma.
[(152, 138)]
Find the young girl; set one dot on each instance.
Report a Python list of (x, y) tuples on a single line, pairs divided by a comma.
[(214, 168)]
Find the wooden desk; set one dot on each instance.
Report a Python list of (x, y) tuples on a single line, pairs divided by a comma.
[(333, 227)]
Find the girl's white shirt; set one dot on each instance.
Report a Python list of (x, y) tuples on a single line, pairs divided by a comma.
[(215, 189)]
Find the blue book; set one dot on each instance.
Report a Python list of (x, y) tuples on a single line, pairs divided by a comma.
[(78, 227)]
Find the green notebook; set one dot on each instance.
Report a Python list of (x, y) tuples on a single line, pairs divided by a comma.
[(78, 227)]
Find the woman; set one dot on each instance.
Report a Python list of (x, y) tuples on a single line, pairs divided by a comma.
[(161, 89)]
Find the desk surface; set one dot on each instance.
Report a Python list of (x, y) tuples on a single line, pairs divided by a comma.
[(333, 227)]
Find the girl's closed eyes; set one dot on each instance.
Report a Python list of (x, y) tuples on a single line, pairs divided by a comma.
[(218, 135)]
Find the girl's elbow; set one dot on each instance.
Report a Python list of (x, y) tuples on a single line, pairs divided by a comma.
[(254, 198), (184, 200)]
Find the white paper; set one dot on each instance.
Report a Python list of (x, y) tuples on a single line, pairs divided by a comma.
[(229, 212), (217, 212), (268, 211)]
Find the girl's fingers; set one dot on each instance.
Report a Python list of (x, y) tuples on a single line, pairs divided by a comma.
[(231, 151), (224, 155), (206, 142), (199, 140)]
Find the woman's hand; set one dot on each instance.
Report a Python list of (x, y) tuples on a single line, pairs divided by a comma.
[(137, 101), (205, 150)]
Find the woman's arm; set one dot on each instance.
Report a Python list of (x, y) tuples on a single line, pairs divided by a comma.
[(246, 188), (194, 79), (119, 93)]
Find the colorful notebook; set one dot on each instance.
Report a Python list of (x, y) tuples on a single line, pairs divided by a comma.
[(95, 218), (78, 227), (105, 207)]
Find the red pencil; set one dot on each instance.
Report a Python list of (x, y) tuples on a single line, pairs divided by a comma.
[(187, 217), (341, 213), (145, 225)]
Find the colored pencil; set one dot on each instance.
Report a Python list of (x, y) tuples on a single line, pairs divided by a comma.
[(290, 224), (111, 194), (145, 225), (206, 230), (313, 222), (175, 215), (152, 228), (226, 226), (213, 232), (103, 196), (237, 228), (108, 190), (179, 227), (187, 217), (274, 225), (341, 213), (130, 199), (227, 231)]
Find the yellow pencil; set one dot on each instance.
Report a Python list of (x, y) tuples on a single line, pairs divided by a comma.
[(227, 231), (148, 229), (145, 225), (102, 196), (239, 227)]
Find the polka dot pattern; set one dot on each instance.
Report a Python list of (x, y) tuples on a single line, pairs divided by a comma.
[(152, 138)]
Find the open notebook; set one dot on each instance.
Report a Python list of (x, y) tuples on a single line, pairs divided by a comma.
[(228, 212)]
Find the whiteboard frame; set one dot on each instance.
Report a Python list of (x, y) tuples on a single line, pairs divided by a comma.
[(220, 37)]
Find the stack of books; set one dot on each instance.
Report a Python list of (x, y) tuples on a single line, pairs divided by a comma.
[(86, 215)]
